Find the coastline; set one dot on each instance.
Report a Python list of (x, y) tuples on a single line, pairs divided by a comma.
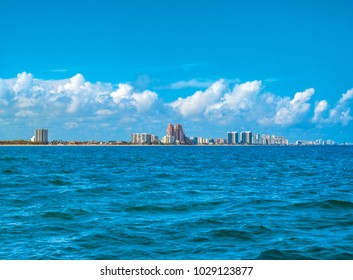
[(124, 145)]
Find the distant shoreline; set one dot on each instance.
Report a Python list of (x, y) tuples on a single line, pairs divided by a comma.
[(124, 145)]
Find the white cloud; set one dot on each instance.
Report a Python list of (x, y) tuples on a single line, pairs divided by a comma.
[(193, 83), (218, 103), (25, 113), (144, 100), (75, 101), (3, 94), (24, 102), (74, 105), (198, 103), (71, 96), (126, 96), (71, 125), (319, 109), (345, 117), (291, 111), (346, 97), (124, 91), (241, 99), (245, 103), (243, 95), (340, 113), (76, 83), (23, 82), (2, 88), (78, 90), (104, 112)]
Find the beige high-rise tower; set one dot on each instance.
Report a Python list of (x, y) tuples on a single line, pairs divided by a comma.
[(179, 133), (41, 135), (170, 130)]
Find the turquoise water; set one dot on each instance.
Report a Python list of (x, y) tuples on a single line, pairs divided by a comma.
[(176, 202)]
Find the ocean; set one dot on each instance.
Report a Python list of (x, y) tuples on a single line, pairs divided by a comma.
[(177, 202)]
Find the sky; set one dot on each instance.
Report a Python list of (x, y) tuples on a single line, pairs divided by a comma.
[(101, 70)]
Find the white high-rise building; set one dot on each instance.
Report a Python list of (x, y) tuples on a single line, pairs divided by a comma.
[(143, 138), (168, 139)]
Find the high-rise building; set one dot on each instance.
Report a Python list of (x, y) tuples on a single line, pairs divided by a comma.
[(232, 138), (154, 138), (229, 137), (135, 138), (248, 138), (179, 134), (176, 135), (256, 139), (242, 137), (41, 136), (168, 139), (235, 137), (170, 130), (143, 138), (193, 140)]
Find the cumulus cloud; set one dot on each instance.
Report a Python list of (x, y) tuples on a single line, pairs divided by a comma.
[(76, 83), (125, 95), (242, 98), (291, 111), (246, 103), (124, 91), (21, 89), (222, 104), (198, 103), (144, 100), (80, 92), (75, 95), (23, 82), (76, 102), (339, 113), (319, 109), (243, 95), (346, 97)]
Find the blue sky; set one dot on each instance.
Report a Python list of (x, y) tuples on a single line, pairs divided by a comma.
[(104, 69)]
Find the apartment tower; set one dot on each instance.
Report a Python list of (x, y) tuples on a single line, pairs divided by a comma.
[(41, 136)]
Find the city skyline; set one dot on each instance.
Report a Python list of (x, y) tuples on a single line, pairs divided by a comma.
[(123, 66), (175, 136)]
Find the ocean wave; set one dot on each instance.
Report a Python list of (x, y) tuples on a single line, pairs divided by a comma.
[(327, 204), (57, 215), (59, 182), (9, 171), (274, 254), (226, 233)]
